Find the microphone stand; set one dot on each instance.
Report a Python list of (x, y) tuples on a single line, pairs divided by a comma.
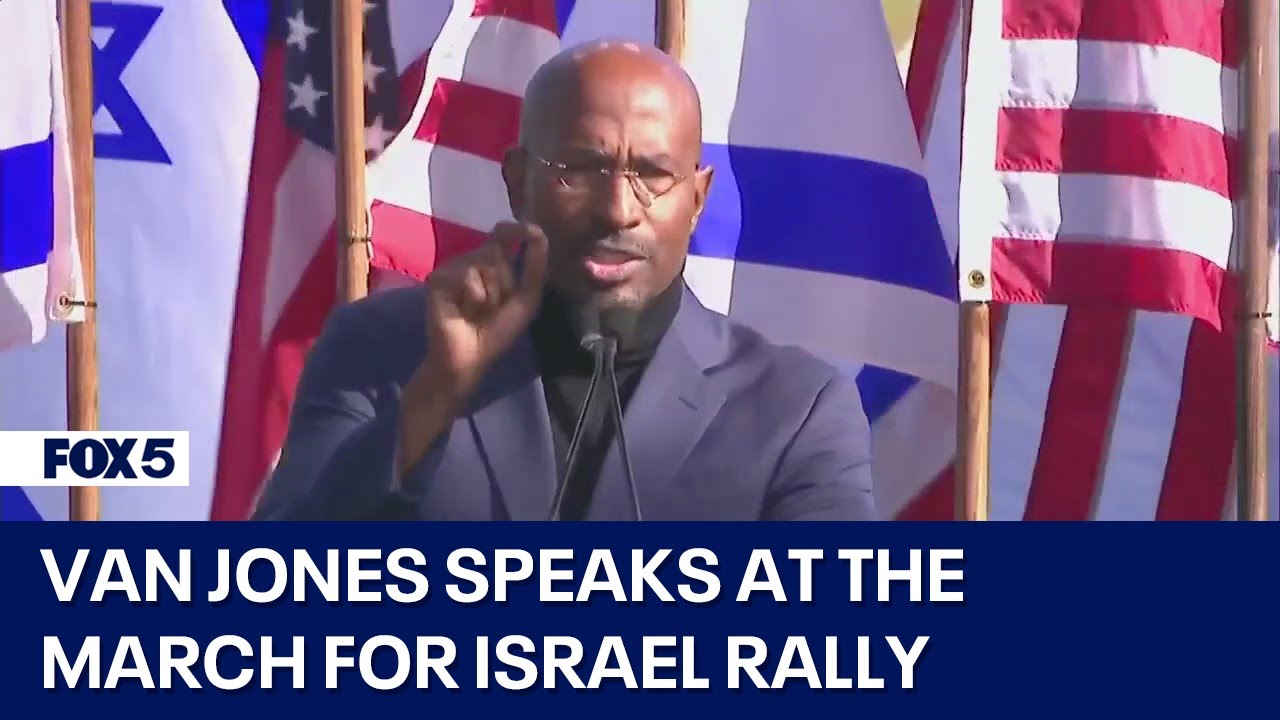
[(617, 419), (575, 441), (603, 351)]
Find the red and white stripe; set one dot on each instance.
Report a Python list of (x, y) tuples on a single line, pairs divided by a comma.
[(1099, 141), (1099, 412), (437, 188)]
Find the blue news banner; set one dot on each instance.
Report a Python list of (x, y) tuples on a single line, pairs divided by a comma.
[(890, 619)]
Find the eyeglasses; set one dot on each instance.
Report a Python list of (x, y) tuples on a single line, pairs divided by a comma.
[(648, 183)]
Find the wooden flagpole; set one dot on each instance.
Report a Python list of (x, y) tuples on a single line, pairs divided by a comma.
[(669, 30), (973, 427), (349, 145), (973, 457), (1257, 82), (82, 337)]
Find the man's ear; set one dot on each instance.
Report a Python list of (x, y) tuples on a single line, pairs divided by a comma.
[(513, 175), (701, 187)]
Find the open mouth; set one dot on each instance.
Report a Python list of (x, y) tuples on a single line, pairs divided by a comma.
[(609, 266)]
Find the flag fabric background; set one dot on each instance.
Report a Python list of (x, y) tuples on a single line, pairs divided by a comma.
[(176, 88), (39, 260), (820, 229), (1098, 412)]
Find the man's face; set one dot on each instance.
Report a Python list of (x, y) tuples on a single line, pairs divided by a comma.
[(614, 239)]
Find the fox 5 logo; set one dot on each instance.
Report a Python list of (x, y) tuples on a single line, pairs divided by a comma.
[(102, 459)]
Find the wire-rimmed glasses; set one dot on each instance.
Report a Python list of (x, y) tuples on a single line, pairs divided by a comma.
[(649, 183)]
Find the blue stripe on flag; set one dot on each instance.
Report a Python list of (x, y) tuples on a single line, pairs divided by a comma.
[(14, 505), (823, 213), (881, 389), (564, 8), (26, 205), (250, 18)]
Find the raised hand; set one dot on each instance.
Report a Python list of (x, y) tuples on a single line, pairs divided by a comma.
[(477, 305)]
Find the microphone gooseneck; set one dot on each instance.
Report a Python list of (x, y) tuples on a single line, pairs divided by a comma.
[(602, 330), (622, 435), (576, 440), (617, 323)]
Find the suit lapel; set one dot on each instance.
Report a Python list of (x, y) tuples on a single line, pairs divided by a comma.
[(513, 434), (668, 413)]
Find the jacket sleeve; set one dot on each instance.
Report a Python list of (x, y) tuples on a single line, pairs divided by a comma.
[(338, 460), (825, 472)]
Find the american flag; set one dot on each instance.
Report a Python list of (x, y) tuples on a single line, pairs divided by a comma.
[(1104, 137), (288, 266), (1101, 143), (437, 189)]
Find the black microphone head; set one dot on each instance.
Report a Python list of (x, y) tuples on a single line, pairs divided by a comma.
[(586, 320), (595, 323), (618, 321)]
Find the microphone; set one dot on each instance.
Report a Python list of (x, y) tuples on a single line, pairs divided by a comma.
[(587, 318), (615, 324), (602, 330)]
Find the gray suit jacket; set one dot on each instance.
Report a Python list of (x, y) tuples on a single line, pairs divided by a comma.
[(723, 426)]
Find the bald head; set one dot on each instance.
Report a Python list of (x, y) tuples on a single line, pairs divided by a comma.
[(609, 166), (652, 76)]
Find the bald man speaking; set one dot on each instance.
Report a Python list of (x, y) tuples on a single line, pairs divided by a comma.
[(492, 391)]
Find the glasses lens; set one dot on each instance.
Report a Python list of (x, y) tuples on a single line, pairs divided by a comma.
[(577, 178), (658, 183), (583, 177)]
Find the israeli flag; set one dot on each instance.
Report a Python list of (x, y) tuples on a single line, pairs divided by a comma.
[(39, 263), (820, 230)]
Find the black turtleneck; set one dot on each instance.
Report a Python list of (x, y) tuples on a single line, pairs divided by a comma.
[(566, 372)]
